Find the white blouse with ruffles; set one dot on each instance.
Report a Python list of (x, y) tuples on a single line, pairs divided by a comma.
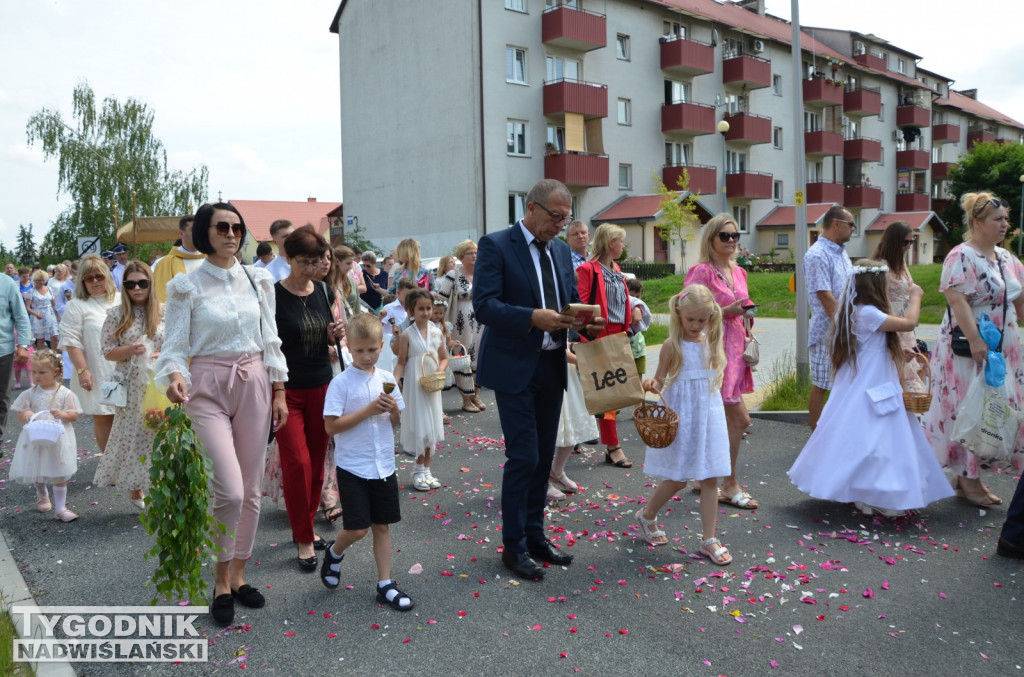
[(212, 311)]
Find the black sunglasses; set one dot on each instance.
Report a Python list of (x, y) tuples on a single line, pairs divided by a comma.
[(557, 218), (132, 284), (725, 237), (997, 203), (907, 243), (851, 224), (223, 228)]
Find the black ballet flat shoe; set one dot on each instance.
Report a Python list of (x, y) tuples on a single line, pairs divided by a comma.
[(308, 564), (249, 596), (223, 609)]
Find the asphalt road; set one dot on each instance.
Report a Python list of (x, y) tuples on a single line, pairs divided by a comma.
[(815, 588)]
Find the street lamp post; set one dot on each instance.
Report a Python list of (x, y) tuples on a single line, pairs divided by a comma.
[(723, 129)]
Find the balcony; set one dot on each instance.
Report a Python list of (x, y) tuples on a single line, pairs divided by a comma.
[(940, 203), (979, 135), (872, 61), (913, 116), (913, 202), (747, 72), (863, 102), (575, 96), (692, 119), (574, 29), (940, 170), (824, 193), (577, 169), (686, 57), (863, 149), (913, 159), (822, 143), (945, 133), (748, 185), (703, 180), (745, 128), (819, 93), (862, 197)]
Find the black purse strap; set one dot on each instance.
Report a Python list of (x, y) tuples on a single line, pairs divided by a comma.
[(1006, 295)]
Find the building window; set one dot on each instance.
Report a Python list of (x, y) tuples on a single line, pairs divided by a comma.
[(673, 29), (901, 66), (777, 137), (562, 69), (735, 162), (625, 112), (518, 143), (515, 65), (782, 240), (881, 112), (777, 191), (622, 47), (556, 137), (676, 92), (777, 85), (815, 172), (516, 5), (677, 154), (625, 177), (516, 207), (573, 4), (740, 215)]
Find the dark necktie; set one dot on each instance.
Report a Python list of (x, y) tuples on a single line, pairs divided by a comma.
[(547, 276)]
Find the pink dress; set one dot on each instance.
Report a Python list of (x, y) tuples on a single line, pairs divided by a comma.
[(737, 378)]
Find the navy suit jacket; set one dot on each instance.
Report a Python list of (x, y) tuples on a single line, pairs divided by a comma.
[(505, 293)]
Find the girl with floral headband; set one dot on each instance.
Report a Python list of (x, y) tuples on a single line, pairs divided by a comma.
[(890, 468)]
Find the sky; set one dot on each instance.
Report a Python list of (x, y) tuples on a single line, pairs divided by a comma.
[(250, 88)]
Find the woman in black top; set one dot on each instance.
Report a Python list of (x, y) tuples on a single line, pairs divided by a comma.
[(376, 281), (306, 327)]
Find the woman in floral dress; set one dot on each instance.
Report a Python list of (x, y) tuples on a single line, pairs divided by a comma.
[(457, 286), (975, 276), (133, 334)]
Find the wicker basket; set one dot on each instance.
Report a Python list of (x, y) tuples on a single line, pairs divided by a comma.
[(459, 363), (919, 403), (431, 381), (43, 430), (656, 423)]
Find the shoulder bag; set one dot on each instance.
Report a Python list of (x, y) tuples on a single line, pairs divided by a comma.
[(958, 342)]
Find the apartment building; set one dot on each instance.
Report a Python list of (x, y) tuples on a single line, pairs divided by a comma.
[(452, 109)]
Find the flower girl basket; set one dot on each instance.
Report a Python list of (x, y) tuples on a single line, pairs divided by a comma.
[(656, 423), (46, 430), (431, 381), (918, 402)]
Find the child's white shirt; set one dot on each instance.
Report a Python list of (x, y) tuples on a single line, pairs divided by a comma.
[(367, 449)]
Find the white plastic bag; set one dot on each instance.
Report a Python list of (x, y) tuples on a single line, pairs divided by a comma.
[(986, 423)]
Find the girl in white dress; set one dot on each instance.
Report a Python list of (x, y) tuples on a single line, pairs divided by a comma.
[(42, 311), (691, 364), (422, 422), (868, 449), (576, 425), (38, 462)]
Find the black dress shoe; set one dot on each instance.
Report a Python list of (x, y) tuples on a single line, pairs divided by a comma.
[(249, 596), (521, 565), (545, 552), (308, 564), (223, 609), (1009, 549)]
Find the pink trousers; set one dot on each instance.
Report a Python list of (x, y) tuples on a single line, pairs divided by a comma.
[(229, 404)]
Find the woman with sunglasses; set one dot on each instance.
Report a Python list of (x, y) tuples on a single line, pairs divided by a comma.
[(719, 245), (81, 336), (601, 282), (896, 242), (133, 334), (222, 357), (978, 277)]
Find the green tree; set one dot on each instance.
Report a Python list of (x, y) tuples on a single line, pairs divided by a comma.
[(988, 166), (679, 221), (26, 254), (108, 155)]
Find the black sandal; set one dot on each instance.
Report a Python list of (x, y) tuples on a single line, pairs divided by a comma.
[(396, 601), (328, 576), (332, 514), (621, 463)]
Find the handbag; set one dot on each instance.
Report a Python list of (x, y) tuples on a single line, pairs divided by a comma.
[(957, 341), (608, 374), (114, 393), (751, 351)]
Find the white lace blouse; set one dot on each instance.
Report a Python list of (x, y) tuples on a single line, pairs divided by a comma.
[(213, 311)]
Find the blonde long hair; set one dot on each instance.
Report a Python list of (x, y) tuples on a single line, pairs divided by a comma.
[(152, 307), (695, 297)]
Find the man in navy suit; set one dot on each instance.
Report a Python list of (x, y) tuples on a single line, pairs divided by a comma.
[(524, 275)]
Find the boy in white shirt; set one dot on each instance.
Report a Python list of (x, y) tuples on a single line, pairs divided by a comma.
[(393, 316), (362, 416)]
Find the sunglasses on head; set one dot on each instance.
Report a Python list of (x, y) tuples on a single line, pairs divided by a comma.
[(223, 228), (725, 237), (132, 284), (993, 202)]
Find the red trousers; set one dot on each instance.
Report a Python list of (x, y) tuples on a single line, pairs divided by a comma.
[(302, 446), (609, 431)]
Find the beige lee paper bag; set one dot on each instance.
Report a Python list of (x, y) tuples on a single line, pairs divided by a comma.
[(609, 376)]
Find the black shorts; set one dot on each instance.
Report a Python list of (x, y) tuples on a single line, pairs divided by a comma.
[(365, 502)]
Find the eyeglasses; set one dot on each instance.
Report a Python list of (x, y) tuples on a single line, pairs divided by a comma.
[(851, 224), (907, 243), (132, 284), (223, 228), (89, 279), (994, 202), (308, 264), (557, 218), (726, 237)]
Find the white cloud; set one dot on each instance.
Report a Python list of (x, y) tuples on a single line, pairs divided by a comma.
[(31, 156), (245, 158)]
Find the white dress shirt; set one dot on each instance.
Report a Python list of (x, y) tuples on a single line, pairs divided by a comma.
[(367, 449)]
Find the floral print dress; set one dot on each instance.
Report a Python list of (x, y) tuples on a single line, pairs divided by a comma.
[(898, 291), (967, 271)]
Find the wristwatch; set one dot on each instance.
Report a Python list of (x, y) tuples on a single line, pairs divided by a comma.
[(80, 371)]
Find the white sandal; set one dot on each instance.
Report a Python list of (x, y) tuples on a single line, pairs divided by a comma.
[(713, 549), (419, 482), (649, 529), (564, 483), (554, 494)]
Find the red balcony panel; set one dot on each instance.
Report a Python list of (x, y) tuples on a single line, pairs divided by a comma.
[(750, 185), (913, 202), (863, 102), (577, 169), (945, 133), (823, 143), (913, 116), (940, 170), (862, 197), (824, 193), (979, 136), (574, 29), (938, 204), (688, 118), (749, 129), (818, 92), (872, 61), (863, 149), (687, 57), (912, 159), (567, 96), (703, 180), (748, 72)]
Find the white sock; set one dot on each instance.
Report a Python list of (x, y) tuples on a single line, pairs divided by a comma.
[(417, 469), (391, 594), (60, 497)]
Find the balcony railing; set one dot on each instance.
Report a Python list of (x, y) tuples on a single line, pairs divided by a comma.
[(912, 159), (577, 169), (746, 71), (823, 143), (703, 179), (748, 185), (822, 192), (862, 102), (575, 96), (688, 118), (940, 170), (945, 133), (862, 197), (979, 135), (913, 116), (745, 128), (686, 57), (913, 202), (863, 149), (574, 28), (822, 92), (872, 61)]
